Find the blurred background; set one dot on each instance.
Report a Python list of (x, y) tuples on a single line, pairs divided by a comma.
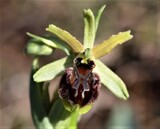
[(137, 62)]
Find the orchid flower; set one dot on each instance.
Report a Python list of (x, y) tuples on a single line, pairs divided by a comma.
[(82, 71)]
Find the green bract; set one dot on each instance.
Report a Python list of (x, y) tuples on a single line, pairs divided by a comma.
[(59, 117)]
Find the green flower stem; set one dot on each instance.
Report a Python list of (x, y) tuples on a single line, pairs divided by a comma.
[(74, 116)]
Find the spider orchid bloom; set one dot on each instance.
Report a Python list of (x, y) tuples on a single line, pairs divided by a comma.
[(82, 71), (79, 84)]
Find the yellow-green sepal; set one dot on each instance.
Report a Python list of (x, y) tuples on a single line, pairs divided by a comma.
[(76, 46), (53, 69), (107, 45), (111, 80)]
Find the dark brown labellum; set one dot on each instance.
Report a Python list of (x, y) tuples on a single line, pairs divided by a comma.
[(79, 84)]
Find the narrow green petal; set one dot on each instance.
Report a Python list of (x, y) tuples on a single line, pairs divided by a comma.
[(51, 70), (89, 28), (67, 37), (106, 46), (111, 80), (100, 11)]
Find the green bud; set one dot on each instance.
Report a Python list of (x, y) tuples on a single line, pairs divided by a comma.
[(34, 48)]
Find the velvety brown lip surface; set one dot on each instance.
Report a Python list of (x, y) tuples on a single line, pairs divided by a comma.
[(79, 85)]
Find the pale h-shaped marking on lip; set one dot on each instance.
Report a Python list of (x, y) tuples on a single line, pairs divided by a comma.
[(78, 81)]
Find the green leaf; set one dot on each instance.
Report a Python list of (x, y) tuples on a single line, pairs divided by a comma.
[(51, 70), (35, 48), (45, 95), (36, 101), (111, 80), (58, 116), (37, 109), (53, 42), (106, 46), (61, 118), (89, 28), (66, 37), (100, 11)]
